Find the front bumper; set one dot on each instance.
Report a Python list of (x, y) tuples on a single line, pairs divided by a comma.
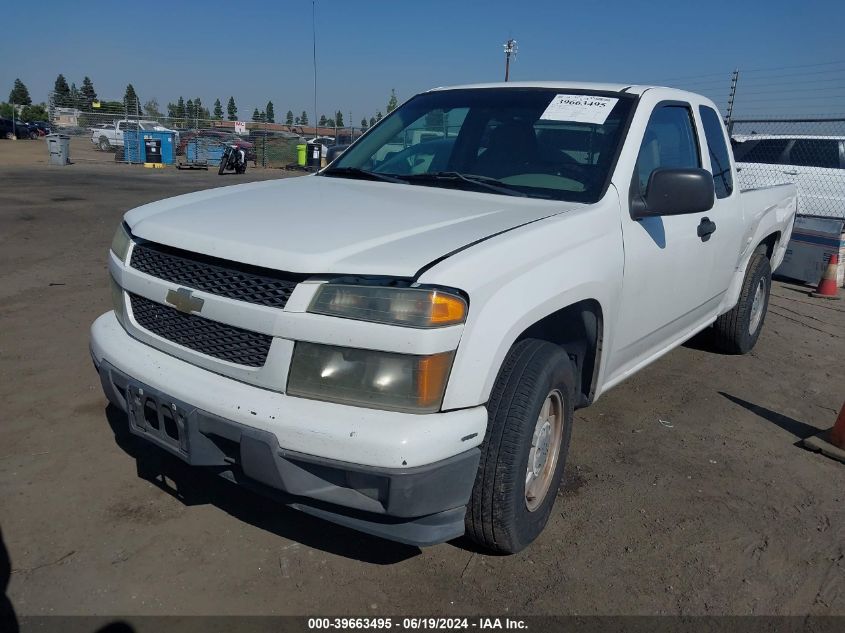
[(167, 404)]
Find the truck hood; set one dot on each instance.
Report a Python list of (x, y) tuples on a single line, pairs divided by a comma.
[(334, 225)]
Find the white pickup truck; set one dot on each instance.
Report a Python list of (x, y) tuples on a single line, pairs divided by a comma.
[(397, 344), (107, 138)]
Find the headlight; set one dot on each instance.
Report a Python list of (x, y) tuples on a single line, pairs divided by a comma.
[(117, 300), (367, 378), (411, 307), (120, 242)]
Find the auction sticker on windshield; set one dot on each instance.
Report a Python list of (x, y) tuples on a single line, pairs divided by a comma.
[(579, 109)]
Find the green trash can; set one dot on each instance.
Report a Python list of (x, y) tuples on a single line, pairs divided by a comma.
[(300, 155)]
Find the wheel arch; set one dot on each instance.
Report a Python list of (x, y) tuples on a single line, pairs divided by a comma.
[(578, 329), (771, 242)]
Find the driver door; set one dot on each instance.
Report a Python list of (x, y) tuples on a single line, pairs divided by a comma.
[(666, 290)]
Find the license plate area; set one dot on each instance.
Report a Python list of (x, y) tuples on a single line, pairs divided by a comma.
[(158, 418)]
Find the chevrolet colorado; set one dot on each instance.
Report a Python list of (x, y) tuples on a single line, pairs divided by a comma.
[(397, 343)]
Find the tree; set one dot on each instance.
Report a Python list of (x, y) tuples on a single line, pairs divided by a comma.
[(61, 92), (364, 124), (297, 120), (329, 122), (256, 115), (19, 94), (180, 108), (232, 110), (392, 102), (338, 118), (151, 109), (190, 111), (218, 109), (289, 118), (89, 95), (372, 121), (379, 116), (34, 113), (322, 121), (198, 109), (303, 118), (74, 98), (271, 113), (130, 99)]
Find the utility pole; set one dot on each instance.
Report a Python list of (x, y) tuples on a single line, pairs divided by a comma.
[(731, 99), (510, 50)]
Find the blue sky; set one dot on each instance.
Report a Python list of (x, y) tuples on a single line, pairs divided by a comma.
[(365, 48)]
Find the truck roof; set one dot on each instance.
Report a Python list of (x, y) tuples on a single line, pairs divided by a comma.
[(786, 137), (572, 85)]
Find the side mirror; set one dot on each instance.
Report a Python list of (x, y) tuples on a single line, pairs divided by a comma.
[(675, 192)]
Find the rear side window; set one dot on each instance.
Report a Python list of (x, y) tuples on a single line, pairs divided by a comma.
[(815, 152), (769, 151), (719, 157), (669, 142)]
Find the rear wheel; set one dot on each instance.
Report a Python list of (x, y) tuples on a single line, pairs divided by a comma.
[(737, 331), (524, 451), (104, 144)]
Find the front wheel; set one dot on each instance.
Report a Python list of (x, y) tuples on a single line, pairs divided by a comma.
[(737, 331), (104, 144), (525, 447)]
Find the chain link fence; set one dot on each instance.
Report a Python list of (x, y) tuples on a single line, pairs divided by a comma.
[(111, 131), (809, 152)]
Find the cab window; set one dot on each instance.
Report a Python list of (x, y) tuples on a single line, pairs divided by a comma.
[(720, 160), (669, 142)]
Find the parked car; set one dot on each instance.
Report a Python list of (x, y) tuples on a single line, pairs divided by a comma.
[(397, 345), (217, 136), (111, 136), (43, 127), (816, 164), (18, 129)]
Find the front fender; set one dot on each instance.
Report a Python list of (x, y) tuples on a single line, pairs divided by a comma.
[(520, 277)]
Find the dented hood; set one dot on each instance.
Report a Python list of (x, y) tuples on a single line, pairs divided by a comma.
[(316, 224)]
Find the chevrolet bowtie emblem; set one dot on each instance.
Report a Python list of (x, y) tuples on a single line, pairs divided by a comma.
[(184, 301)]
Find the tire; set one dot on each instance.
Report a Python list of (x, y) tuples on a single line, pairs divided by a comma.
[(737, 331), (499, 514), (223, 161), (104, 144)]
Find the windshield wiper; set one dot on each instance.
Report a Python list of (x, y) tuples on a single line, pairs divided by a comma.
[(355, 172), (481, 181)]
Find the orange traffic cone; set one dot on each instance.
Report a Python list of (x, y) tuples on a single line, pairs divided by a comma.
[(832, 441), (827, 286)]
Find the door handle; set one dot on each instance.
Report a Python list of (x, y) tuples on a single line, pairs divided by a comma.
[(706, 228), (790, 172)]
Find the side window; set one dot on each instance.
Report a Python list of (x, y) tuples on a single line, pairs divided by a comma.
[(768, 151), (720, 159), (813, 152), (669, 141)]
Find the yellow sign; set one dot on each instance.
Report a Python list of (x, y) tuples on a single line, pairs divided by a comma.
[(95, 104)]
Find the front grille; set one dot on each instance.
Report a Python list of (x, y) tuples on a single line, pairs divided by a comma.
[(215, 276), (219, 340)]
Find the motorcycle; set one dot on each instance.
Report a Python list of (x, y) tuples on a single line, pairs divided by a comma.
[(233, 159)]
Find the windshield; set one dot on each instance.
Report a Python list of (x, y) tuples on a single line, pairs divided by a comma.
[(547, 143)]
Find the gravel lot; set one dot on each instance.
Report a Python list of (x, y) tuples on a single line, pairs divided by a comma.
[(686, 492)]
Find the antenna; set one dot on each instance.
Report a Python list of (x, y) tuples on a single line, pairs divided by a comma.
[(510, 51), (314, 39)]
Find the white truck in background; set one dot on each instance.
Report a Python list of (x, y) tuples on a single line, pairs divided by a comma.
[(108, 138), (404, 358), (816, 164)]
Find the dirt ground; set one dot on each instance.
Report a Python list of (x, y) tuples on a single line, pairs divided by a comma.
[(686, 491)]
